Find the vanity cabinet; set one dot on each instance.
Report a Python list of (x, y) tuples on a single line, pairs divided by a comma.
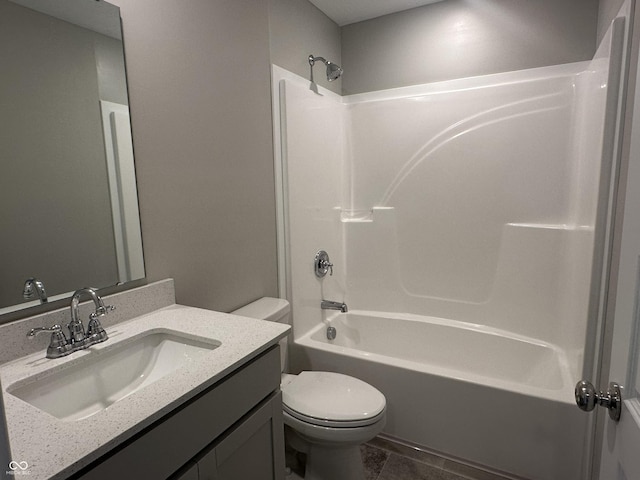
[(231, 431)]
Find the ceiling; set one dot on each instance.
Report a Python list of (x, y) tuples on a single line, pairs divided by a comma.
[(344, 12)]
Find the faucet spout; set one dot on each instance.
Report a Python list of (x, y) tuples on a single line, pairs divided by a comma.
[(75, 302), (95, 333), (330, 305), (34, 287)]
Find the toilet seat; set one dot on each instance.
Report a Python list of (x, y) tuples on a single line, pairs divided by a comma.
[(332, 423), (331, 399)]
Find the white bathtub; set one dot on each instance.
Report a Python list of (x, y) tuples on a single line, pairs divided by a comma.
[(467, 391)]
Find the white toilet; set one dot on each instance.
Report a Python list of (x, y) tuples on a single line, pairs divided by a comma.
[(328, 415)]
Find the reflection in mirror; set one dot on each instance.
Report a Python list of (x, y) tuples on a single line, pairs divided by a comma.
[(68, 199)]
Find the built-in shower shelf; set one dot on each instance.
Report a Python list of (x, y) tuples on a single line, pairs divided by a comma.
[(553, 226), (360, 216)]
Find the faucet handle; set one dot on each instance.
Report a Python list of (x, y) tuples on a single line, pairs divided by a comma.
[(327, 264), (53, 329), (322, 264), (58, 345), (95, 331), (102, 310)]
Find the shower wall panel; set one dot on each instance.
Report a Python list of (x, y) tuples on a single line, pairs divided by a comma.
[(478, 174), (313, 133)]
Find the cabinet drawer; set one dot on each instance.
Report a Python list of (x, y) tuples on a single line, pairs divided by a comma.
[(170, 443)]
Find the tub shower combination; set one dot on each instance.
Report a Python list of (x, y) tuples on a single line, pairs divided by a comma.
[(462, 220)]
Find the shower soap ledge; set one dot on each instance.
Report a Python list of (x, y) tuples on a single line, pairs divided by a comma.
[(361, 216)]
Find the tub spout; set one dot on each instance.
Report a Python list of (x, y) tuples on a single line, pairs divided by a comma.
[(329, 305)]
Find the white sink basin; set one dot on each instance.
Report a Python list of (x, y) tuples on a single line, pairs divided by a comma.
[(101, 378)]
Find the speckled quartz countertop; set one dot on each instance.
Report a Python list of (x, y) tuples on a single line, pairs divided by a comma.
[(55, 448)]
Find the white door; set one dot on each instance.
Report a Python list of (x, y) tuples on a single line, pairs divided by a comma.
[(621, 440)]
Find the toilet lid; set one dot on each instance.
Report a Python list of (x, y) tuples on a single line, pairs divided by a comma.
[(332, 397)]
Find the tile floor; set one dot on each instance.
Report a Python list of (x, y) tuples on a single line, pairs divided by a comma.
[(385, 459)]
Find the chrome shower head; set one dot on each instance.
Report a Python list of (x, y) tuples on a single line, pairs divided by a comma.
[(333, 71)]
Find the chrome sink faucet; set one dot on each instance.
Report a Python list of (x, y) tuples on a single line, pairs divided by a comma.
[(329, 305), (78, 339)]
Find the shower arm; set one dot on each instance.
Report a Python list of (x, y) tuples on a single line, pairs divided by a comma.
[(312, 61), (311, 68)]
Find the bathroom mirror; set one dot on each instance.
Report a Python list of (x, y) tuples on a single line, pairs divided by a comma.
[(68, 198)]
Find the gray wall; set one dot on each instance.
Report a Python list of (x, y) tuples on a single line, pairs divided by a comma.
[(199, 86), (462, 38), (298, 29)]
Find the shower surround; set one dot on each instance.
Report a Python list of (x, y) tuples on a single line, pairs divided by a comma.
[(463, 220)]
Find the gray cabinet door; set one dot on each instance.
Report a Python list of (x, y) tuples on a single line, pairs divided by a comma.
[(252, 451)]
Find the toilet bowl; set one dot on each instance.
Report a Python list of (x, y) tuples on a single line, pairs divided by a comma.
[(327, 415)]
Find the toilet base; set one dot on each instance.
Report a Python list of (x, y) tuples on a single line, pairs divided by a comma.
[(327, 462), (334, 463)]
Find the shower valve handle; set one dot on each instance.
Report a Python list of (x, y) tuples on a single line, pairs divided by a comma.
[(322, 264), (328, 265)]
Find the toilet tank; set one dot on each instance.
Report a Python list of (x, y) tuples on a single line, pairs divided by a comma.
[(273, 310), (267, 308)]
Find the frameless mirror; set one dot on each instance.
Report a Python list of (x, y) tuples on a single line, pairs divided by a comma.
[(68, 198)]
